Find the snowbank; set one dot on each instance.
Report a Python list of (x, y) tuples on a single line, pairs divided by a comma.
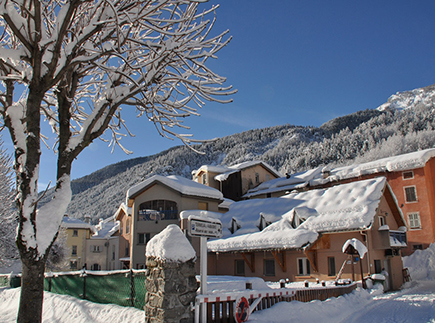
[(421, 264), (67, 309)]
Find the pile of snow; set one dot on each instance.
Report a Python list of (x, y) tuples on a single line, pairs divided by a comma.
[(421, 264), (67, 309), (170, 245)]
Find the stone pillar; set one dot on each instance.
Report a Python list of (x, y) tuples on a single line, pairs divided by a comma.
[(170, 284)]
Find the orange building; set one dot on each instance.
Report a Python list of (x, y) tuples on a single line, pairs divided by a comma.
[(410, 176)]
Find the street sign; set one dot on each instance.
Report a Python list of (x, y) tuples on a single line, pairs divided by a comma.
[(241, 309), (204, 227)]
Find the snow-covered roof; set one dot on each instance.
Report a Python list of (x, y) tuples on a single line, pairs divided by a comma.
[(211, 168), (201, 213), (238, 167), (127, 210), (298, 218), (225, 171), (226, 203), (183, 185), (395, 163), (73, 223), (106, 228), (170, 245), (295, 181)]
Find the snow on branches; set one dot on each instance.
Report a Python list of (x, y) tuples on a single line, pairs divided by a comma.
[(77, 64)]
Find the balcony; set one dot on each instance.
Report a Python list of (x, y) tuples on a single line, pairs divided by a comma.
[(390, 239), (398, 239)]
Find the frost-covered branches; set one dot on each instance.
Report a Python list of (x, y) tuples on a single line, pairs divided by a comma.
[(104, 54), (8, 214), (76, 64)]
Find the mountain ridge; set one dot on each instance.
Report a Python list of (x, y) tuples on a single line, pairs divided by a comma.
[(357, 137)]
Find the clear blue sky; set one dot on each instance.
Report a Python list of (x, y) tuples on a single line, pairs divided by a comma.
[(297, 62)]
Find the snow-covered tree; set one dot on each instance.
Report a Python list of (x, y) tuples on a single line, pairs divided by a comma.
[(75, 64), (8, 214)]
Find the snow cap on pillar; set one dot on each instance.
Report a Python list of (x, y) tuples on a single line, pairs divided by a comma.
[(170, 245)]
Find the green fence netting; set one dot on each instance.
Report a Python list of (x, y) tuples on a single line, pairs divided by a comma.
[(124, 287)]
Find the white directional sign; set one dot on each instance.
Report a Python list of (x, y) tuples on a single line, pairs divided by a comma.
[(204, 227)]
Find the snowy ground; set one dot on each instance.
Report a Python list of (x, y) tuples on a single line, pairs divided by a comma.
[(414, 303)]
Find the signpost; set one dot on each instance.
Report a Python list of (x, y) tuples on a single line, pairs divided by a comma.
[(204, 227)]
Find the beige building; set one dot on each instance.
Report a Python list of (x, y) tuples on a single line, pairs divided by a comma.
[(235, 181), (301, 236), (103, 246), (155, 203), (77, 232)]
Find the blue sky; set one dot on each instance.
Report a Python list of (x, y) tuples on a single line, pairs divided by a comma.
[(296, 62)]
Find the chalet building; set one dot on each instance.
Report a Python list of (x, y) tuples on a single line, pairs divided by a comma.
[(155, 203), (103, 246), (235, 181), (410, 176), (300, 236), (77, 232)]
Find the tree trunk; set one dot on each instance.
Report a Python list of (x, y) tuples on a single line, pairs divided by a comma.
[(32, 291)]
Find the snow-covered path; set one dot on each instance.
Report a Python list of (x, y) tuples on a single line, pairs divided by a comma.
[(411, 305), (416, 304)]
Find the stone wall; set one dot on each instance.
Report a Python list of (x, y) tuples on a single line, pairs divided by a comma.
[(171, 290)]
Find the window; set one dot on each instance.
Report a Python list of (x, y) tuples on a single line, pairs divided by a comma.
[(414, 220), (95, 249), (382, 220), (74, 251), (127, 249), (240, 267), (378, 266), (113, 253), (73, 264), (331, 266), (144, 238), (203, 206), (127, 227), (417, 247), (257, 178), (408, 175), (410, 194), (269, 195), (204, 178), (158, 210), (75, 233), (120, 228), (95, 267), (304, 267), (269, 267)]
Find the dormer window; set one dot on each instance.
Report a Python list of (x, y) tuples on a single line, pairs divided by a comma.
[(234, 226), (204, 178), (297, 221), (263, 223)]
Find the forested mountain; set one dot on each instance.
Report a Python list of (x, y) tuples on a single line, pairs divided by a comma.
[(404, 124)]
